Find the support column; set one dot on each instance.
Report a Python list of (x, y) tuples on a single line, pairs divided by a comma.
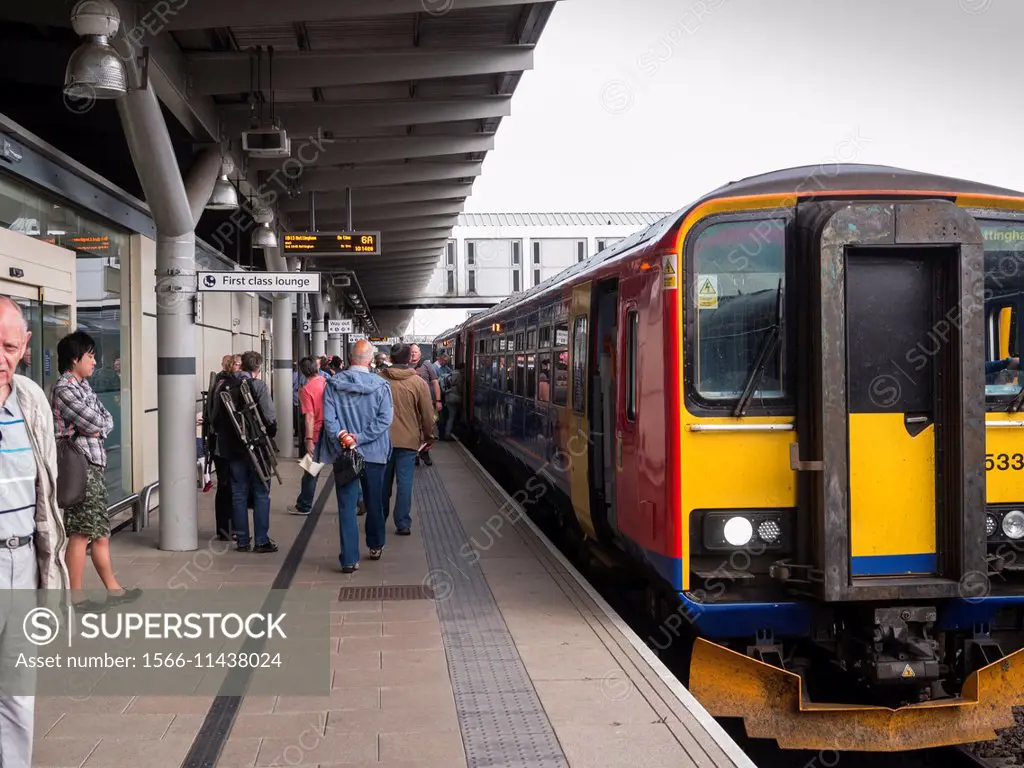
[(319, 309), (281, 367), (334, 339), (175, 206)]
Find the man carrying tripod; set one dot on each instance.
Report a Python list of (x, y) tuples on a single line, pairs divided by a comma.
[(245, 479)]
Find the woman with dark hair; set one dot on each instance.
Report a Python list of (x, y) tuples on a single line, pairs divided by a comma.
[(77, 411)]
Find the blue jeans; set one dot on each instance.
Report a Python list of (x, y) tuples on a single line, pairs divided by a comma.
[(372, 485), (307, 489), (403, 465), (243, 478)]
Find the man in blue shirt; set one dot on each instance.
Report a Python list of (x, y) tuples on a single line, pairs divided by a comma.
[(997, 366), (358, 405)]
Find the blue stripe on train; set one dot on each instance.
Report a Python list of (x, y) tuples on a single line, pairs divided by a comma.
[(893, 565)]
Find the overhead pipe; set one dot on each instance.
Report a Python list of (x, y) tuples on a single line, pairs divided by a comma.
[(176, 205)]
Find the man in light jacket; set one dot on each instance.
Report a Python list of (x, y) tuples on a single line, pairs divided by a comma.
[(358, 409), (32, 537), (412, 427)]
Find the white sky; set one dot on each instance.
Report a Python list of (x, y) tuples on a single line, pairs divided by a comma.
[(646, 105), (649, 104)]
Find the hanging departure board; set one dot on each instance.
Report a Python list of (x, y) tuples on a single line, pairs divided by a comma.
[(330, 243)]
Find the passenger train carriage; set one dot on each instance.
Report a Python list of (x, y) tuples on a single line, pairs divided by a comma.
[(777, 401)]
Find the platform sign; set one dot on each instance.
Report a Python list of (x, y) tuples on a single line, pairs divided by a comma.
[(307, 327), (354, 337), (271, 282), (330, 243), (339, 326)]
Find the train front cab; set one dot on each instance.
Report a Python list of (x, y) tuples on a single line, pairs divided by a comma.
[(835, 426)]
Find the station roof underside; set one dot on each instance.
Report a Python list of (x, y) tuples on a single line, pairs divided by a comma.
[(401, 97)]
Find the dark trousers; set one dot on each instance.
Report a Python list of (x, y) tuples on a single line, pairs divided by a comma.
[(223, 502)]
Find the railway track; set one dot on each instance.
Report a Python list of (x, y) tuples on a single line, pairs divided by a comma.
[(626, 595)]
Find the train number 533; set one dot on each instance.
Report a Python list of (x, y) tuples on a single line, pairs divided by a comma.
[(1003, 461)]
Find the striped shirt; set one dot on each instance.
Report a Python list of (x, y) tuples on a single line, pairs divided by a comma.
[(17, 472)]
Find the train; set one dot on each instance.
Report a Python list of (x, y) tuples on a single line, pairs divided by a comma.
[(792, 407)]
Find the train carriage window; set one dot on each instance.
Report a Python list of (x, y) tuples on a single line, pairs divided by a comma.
[(531, 339), (544, 379), (521, 376), (737, 293), (632, 339), (520, 341), (1004, 302), (579, 364), (545, 337), (561, 388), (561, 334), (510, 379)]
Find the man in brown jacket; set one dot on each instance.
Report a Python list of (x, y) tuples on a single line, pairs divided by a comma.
[(412, 427)]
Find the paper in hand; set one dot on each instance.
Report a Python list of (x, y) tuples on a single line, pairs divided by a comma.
[(310, 466)]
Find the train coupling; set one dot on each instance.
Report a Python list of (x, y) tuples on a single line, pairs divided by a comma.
[(903, 650)]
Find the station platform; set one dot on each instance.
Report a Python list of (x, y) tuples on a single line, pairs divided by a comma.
[(471, 642)]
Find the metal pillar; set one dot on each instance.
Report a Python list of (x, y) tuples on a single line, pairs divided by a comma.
[(334, 339), (175, 205), (319, 326), (281, 368)]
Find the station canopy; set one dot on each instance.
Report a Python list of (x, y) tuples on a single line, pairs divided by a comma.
[(394, 103)]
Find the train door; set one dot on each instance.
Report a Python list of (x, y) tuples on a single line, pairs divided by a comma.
[(579, 428), (603, 393), (627, 492), (891, 311)]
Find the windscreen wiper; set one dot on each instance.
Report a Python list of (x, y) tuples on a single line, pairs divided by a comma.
[(768, 346)]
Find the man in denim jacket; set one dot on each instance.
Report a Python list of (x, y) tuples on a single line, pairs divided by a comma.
[(359, 408)]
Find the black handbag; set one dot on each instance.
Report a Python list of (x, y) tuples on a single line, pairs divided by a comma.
[(72, 468), (349, 466), (72, 473)]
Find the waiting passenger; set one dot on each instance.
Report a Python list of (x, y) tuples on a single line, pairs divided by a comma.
[(78, 411), (311, 403), (428, 373), (30, 521), (223, 502), (244, 481), (412, 427), (357, 414)]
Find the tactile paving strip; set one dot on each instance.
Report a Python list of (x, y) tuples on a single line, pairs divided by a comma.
[(500, 715)]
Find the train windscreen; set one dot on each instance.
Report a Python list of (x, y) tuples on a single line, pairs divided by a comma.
[(738, 294), (1004, 289)]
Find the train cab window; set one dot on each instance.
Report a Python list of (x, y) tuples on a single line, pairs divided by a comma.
[(579, 364), (632, 339), (738, 286), (1004, 302)]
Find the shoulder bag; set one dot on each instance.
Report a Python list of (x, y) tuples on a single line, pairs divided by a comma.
[(72, 466)]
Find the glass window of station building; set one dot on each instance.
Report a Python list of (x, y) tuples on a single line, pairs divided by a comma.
[(100, 308)]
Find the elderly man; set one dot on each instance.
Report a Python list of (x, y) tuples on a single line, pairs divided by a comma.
[(426, 371), (358, 409), (32, 537)]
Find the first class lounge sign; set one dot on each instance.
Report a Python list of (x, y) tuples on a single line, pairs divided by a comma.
[(272, 282)]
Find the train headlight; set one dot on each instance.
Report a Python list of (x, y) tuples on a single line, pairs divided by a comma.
[(769, 531), (1013, 524), (991, 526), (738, 531), (757, 530)]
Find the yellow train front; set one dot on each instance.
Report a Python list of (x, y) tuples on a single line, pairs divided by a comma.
[(795, 404), (850, 457)]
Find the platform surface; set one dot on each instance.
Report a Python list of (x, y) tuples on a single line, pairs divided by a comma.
[(513, 660)]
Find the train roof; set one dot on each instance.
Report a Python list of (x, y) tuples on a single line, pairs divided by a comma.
[(818, 179)]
